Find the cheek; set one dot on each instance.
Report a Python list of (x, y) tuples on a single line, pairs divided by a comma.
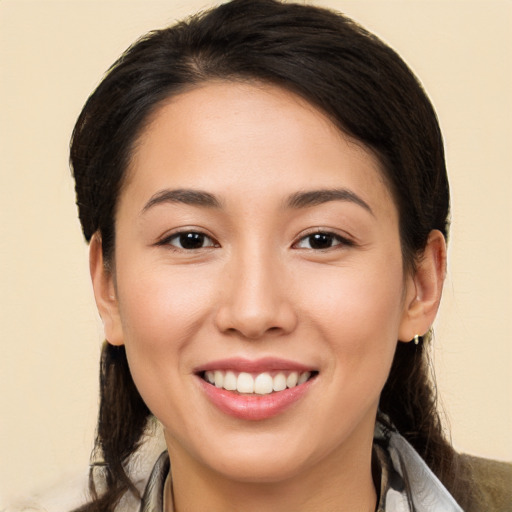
[(355, 303), (161, 310), (161, 305), (358, 312)]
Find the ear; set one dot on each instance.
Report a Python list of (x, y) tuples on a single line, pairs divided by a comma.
[(105, 292), (424, 288)]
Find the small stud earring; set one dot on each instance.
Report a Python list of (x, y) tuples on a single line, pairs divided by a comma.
[(417, 339)]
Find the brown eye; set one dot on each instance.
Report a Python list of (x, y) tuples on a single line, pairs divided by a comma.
[(320, 241), (190, 240)]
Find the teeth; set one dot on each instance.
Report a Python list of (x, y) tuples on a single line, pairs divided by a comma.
[(245, 383), (291, 380), (261, 384), (219, 379), (303, 378), (279, 382), (230, 381)]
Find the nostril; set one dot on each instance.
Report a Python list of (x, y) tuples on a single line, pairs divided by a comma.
[(253, 319)]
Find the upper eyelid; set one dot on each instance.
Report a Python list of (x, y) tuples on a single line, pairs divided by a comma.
[(333, 235), (180, 231), (328, 231), (346, 239)]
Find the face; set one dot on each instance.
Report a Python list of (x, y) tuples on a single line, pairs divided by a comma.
[(258, 283)]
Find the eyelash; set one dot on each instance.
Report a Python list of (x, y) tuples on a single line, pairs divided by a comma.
[(333, 237), (194, 235), (178, 236)]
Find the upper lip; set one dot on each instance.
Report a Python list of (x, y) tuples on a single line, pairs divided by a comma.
[(264, 364)]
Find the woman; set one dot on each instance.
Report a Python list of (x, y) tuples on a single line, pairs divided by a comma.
[(265, 195)]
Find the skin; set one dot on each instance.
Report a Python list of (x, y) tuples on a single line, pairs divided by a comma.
[(257, 288)]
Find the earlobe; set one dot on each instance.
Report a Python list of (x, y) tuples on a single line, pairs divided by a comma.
[(104, 292), (424, 289)]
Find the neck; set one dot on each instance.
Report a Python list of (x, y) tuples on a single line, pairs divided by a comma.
[(282, 497), (343, 483)]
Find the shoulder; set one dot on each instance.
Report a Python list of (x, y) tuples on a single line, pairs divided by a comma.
[(72, 492), (493, 482)]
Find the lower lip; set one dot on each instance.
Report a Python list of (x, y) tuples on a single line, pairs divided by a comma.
[(254, 407)]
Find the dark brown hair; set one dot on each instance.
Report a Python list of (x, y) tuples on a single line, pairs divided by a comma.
[(366, 90)]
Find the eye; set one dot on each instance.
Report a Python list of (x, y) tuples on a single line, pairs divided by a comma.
[(189, 241), (321, 241)]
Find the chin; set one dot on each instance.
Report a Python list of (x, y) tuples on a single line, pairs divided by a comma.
[(260, 468), (266, 457)]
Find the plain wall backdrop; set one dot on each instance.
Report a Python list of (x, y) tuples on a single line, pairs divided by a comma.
[(53, 53)]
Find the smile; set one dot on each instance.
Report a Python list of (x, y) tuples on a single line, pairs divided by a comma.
[(255, 390), (263, 383)]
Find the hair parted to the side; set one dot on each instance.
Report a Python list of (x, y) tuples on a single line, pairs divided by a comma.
[(366, 90)]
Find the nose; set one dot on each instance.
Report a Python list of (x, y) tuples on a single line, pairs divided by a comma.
[(255, 301)]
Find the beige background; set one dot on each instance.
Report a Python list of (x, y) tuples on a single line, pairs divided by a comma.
[(52, 53)]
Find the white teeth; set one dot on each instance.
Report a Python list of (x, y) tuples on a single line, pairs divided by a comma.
[(230, 381), (303, 378), (279, 382), (291, 380), (219, 379), (245, 383), (261, 384)]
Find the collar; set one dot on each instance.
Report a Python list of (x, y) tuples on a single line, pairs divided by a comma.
[(153, 497), (407, 483)]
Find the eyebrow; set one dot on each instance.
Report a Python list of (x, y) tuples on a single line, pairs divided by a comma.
[(185, 196), (297, 200), (316, 197)]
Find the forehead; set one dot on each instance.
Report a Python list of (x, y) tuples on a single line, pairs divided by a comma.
[(224, 135)]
